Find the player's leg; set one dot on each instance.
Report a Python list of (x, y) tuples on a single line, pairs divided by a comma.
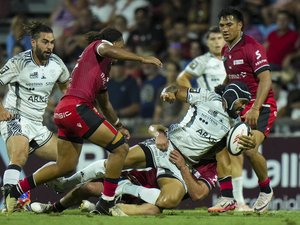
[(259, 165), (72, 198), (237, 182), (93, 171), (68, 154), (226, 202), (172, 192), (113, 141), (143, 209), (48, 150)]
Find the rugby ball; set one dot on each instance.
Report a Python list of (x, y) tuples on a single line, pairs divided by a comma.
[(240, 129)]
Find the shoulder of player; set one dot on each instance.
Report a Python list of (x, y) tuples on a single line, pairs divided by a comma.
[(55, 58), (249, 42)]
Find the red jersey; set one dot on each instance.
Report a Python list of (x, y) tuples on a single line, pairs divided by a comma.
[(281, 45), (244, 61), (90, 74)]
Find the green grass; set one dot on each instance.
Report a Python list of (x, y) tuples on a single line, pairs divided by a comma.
[(169, 217)]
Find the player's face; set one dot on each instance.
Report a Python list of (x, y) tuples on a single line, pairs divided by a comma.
[(239, 106), (215, 43), (230, 28), (43, 46)]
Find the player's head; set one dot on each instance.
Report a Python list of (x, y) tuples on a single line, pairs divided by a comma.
[(109, 34), (236, 95), (231, 24), (214, 40), (42, 40)]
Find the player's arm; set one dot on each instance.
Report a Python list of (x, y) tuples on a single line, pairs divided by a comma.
[(264, 86), (110, 114), (183, 79), (63, 86), (107, 50), (158, 131), (196, 189), (174, 92)]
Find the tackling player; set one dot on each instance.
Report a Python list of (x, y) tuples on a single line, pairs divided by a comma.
[(77, 118)]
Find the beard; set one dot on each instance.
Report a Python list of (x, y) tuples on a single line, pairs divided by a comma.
[(42, 56)]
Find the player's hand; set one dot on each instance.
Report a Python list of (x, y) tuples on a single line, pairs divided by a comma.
[(251, 117), (152, 60), (168, 97), (5, 115), (247, 142), (177, 159), (162, 142), (125, 132)]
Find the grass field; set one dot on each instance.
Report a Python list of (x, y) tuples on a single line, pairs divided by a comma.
[(170, 217)]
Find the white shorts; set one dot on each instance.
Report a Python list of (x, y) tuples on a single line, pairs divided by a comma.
[(36, 132), (160, 160)]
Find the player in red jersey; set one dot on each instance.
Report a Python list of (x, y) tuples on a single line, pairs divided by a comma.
[(77, 118), (245, 60)]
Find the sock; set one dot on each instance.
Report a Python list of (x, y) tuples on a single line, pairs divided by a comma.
[(265, 186), (12, 174), (226, 187), (93, 171), (149, 195), (58, 207), (23, 186), (110, 186), (237, 184)]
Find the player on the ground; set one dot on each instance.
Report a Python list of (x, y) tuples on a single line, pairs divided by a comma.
[(209, 71)]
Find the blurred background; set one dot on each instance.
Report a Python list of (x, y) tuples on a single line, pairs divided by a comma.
[(173, 30)]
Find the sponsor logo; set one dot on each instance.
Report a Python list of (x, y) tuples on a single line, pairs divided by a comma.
[(49, 83), (237, 76), (261, 62), (4, 69), (62, 115), (34, 84), (238, 62), (36, 98), (34, 75)]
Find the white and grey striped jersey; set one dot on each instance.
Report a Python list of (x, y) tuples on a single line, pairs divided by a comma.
[(208, 70), (29, 84), (205, 124)]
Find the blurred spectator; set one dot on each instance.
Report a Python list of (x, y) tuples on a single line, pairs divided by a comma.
[(281, 42), (120, 23), (150, 90), (18, 47), (17, 34), (174, 53), (267, 24), (102, 10), (146, 36), (166, 113), (280, 95), (123, 91), (127, 9), (75, 39), (65, 15), (250, 28)]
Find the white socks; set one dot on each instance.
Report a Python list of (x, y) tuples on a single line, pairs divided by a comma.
[(237, 184), (11, 176), (93, 171), (149, 195)]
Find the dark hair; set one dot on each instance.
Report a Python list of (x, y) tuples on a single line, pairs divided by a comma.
[(108, 34), (231, 12), (34, 28), (213, 29), (219, 89)]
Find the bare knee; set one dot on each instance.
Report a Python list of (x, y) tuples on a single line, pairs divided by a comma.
[(167, 202)]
